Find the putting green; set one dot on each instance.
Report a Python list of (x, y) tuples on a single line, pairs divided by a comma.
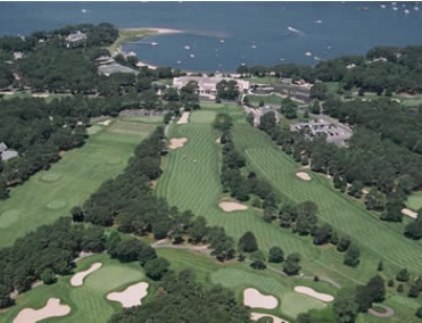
[(9, 217), (56, 204), (50, 177), (293, 304), (414, 201)]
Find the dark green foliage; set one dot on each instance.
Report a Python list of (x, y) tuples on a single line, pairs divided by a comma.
[(343, 244), (345, 306), (291, 264), (189, 96), (392, 211), (400, 288), (198, 230), (376, 288), (319, 91), (127, 250), (227, 90), (363, 299), (93, 239), (415, 288), (276, 255), (380, 266), (5, 300), (268, 122), (223, 122), (258, 260), (403, 275), (156, 268), (419, 312), (413, 230), (184, 300), (288, 108), (322, 234), (48, 277), (375, 200), (221, 243), (247, 242), (77, 214), (352, 255)]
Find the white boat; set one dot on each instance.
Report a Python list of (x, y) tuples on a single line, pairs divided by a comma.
[(222, 41), (84, 11), (416, 8), (395, 8), (383, 6), (179, 62), (406, 11), (253, 46), (192, 55), (187, 47), (319, 21), (308, 54)]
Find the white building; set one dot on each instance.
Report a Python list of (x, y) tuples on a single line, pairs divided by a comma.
[(208, 84), (7, 154)]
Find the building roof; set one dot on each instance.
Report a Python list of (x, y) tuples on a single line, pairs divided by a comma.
[(9, 154), (75, 37), (3, 146)]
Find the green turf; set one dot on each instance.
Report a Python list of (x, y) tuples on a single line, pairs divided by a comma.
[(294, 303), (50, 194), (88, 303), (268, 99), (415, 201)]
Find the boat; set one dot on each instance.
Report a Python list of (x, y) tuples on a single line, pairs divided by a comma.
[(395, 8), (222, 41), (383, 6), (187, 47), (406, 11), (416, 8), (308, 54), (154, 43), (84, 10), (253, 46), (192, 55), (319, 21)]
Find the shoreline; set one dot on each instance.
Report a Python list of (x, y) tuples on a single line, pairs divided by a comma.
[(137, 33)]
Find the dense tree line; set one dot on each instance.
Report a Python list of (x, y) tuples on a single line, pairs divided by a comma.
[(182, 299), (384, 134), (227, 90), (381, 70), (48, 251), (130, 203), (233, 181)]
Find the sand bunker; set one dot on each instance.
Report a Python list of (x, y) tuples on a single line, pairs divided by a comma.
[(177, 143), (184, 118), (105, 122), (232, 206), (53, 308), (218, 140), (312, 293), (303, 176), (131, 296), (78, 278), (253, 298), (276, 319), (409, 213)]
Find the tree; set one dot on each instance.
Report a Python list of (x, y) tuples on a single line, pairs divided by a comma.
[(319, 91), (343, 244), (268, 122), (380, 266), (352, 255), (258, 260), (48, 277), (322, 234), (156, 268), (376, 288), (403, 275), (413, 230), (5, 300), (345, 306), (77, 214), (247, 242), (93, 239), (375, 200), (392, 212), (363, 299), (276, 255), (419, 312), (198, 229), (291, 264)]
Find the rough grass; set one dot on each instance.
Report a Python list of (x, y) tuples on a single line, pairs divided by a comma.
[(71, 180), (88, 303)]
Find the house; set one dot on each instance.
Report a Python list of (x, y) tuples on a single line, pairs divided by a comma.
[(207, 85), (7, 154), (75, 38), (296, 90)]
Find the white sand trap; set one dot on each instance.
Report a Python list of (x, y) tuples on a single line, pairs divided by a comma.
[(184, 118), (53, 308), (303, 176), (131, 296), (253, 298), (105, 122), (232, 206), (276, 319), (409, 213), (312, 293), (177, 143), (78, 278)]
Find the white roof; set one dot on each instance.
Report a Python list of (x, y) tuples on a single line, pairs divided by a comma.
[(3, 146)]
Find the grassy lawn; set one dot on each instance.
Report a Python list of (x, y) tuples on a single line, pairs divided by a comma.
[(264, 80), (414, 201), (88, 303), (50, 194), (191, 181)]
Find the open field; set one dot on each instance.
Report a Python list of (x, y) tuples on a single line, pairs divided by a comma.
[(191, 181), (88, 302), (50, 194), (268, 99)]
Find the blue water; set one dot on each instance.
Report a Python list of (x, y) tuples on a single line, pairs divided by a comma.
[(221, 36)]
